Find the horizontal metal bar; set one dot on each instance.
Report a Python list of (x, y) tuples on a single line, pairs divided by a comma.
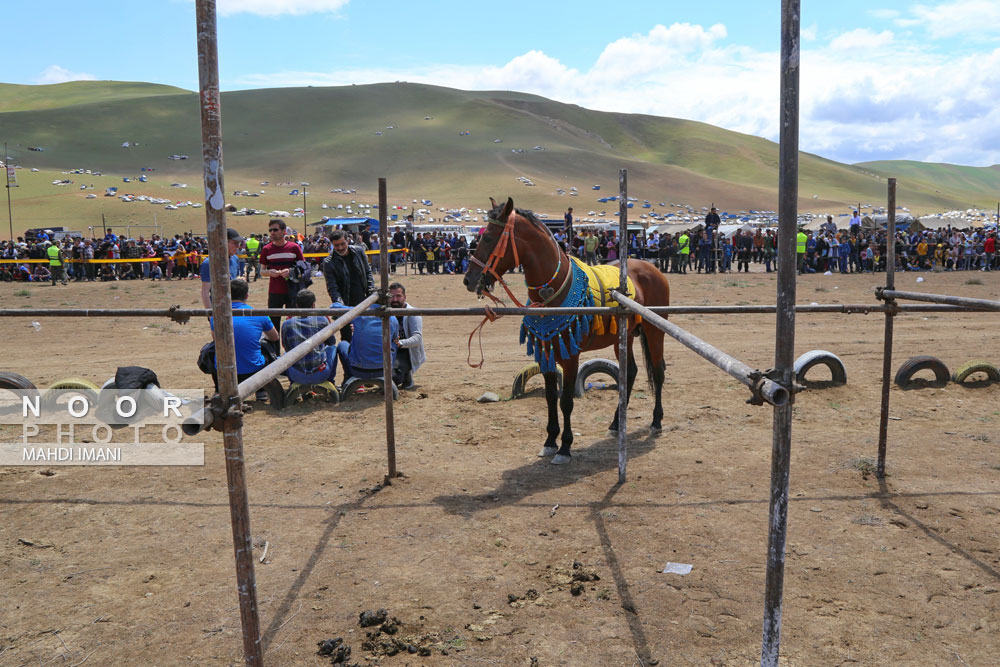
[(770, 391), (847, 308), (978, 304)]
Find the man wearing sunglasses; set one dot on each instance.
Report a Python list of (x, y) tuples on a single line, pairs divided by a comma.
[(276, 258)]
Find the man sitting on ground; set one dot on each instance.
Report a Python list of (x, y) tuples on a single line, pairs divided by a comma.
[(410, 355), (362, 357), (320, 364), (246, 334)]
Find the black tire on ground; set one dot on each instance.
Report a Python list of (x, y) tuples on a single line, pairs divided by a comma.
[(977, 366), (838, 372), (591, 367), (10, 380), (528, 372), (913, 365), (353, 385)]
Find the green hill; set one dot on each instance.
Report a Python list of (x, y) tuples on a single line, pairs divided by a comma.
[(430, 142), (14, 97), (941, 177)]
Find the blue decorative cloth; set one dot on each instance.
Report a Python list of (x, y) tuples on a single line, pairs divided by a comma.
[(547, 336)]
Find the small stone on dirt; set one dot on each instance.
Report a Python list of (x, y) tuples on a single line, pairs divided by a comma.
[(576, 588), (488, 397)]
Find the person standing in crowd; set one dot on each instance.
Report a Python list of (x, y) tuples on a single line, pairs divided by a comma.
[(276, 258), (348, 275), (568, 228), (801, 241), (855, 228), (253, 257), (744, 249), (712, 222), (56, 260), (233, 240), (410, 354), (684, 250)]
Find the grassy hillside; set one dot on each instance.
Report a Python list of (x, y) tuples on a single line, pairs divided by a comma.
[(414, 135), (941, 177), (14, 97)]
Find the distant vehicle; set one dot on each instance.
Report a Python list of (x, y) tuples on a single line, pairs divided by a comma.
[(498, 141), (170, 207), (37, 149), (537, 148), (34, 169), (596, 187)]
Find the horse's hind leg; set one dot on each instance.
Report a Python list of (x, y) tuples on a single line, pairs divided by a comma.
[(653, 348), (570, 368), (552, 402), (632, 372)]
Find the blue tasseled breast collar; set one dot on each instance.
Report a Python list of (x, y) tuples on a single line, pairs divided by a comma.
[(544, 334)]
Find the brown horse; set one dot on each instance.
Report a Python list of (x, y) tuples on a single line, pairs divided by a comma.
[(516, 237)]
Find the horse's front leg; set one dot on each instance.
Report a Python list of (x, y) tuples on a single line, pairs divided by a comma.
[(552, 401), (570, 368)]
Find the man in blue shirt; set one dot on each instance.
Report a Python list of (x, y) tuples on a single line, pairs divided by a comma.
[(246, 335), (362, 357), (233, 241)]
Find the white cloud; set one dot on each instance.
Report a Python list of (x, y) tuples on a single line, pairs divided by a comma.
[(862, 38), (57, 74), (976, 19), (279, 7), (809, 33), (860, 103)]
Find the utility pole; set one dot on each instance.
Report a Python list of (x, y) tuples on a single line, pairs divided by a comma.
[(10, 211), (305, 211)]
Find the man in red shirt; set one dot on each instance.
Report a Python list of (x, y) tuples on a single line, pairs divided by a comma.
[(276, 258), (990, 249)]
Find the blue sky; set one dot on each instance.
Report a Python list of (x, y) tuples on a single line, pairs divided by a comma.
[(880, 79)]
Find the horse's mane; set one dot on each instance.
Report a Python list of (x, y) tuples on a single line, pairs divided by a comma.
[(527, 215)]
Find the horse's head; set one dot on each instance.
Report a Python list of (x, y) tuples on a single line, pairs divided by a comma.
[(476, 279)]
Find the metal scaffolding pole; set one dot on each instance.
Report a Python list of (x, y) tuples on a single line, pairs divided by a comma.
[(784, 336), (225, 351), (383, 243), (622, 326), (890, 283)]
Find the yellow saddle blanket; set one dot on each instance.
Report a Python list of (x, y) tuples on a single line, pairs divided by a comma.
[(601, 280)]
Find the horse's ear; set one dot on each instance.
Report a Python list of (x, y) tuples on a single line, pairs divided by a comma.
[(508, 208), (493, 203)]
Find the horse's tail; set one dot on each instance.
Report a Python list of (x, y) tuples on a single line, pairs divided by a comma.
[(648, 360)]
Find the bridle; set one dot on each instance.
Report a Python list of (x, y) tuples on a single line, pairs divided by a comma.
[(499, 250)]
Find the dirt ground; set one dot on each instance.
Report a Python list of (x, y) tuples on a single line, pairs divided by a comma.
[(477, 550)]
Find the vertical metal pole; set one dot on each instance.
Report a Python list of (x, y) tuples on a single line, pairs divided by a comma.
[(890, 283), (225, 351), (784, 338), (383, 265), (10, 211), (622, 325)]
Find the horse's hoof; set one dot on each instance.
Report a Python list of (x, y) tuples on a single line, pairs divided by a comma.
[(612, 429), (560, 459), (547, 451), (655, 430)]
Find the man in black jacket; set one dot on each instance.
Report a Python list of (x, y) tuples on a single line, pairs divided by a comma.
[(348, 275)]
